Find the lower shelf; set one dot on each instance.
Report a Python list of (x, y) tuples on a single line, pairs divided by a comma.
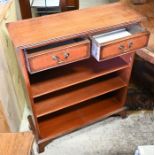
[(75, 95), (73, 118)]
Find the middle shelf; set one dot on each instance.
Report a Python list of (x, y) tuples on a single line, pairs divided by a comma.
[(76, 94), (70, 75)]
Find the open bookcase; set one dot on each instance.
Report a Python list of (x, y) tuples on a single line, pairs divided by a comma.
[(79, 94), (71, 77)]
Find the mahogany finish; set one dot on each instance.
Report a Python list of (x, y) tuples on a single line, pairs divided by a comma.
[(77, 94), (43, 60), (64, 97), (72, 4), (80, 116), (137, 42), (73, 23), (73, 74), (25, 9)]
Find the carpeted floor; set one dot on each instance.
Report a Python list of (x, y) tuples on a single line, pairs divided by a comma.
[(112, 136)]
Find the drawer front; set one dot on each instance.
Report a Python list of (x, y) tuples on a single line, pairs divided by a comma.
[(58, 57), (123, 46)]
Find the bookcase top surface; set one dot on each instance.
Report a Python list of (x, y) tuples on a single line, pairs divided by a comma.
[(70, 24)]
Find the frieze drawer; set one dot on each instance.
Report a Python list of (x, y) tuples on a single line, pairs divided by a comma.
[(111, 44), (57, 54)]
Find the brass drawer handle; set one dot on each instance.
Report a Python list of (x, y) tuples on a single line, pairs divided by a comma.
[(66, 55), (130, 44), (56, 58), (121, 47)]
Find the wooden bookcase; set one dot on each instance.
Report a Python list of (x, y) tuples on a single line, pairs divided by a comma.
[(67, 88)]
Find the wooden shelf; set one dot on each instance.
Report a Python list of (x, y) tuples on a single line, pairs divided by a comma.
[(74, 95), (77, 116), (72, 74), (70, 96)]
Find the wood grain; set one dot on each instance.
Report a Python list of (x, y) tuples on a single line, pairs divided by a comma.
[(139, 41), (72, 4), (27, 90), (64, 99), (146, 54), (77, 117), (73, 74), (75, 95), (25, 9), (16, 143), (39, 61), (73, 23)]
